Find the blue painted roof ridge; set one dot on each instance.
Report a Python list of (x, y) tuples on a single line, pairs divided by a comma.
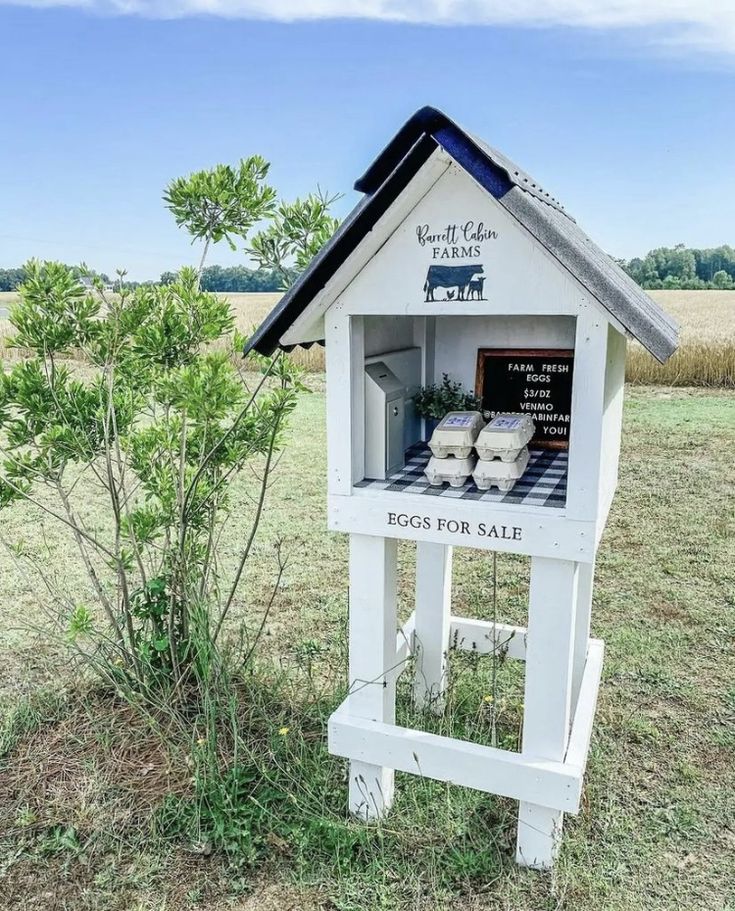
[(433, 122)]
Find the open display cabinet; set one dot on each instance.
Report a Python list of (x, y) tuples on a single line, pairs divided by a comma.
[(456, 262)]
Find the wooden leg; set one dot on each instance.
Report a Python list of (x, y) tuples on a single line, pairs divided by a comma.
[(548, 699), (585, 581), (372, 641), (431, 631)]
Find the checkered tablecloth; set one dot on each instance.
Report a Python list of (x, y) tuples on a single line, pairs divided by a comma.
[(544, 482)]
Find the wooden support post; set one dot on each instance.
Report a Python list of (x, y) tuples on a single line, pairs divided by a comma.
[(372, 642), (345, 338), (588, 406), (548, 698), (431, 631), (585, 582)]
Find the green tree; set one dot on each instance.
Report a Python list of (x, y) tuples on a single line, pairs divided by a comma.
[(221, 203), (722, 280), (676, 261), (296, 234), (240, 278), (10, 279), (159, 427), (681, 267)]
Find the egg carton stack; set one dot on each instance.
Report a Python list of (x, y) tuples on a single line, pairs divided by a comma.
[(452, 443), (502, 447)]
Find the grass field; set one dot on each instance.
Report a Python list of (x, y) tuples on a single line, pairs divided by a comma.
[(706, 357), (82, 780)]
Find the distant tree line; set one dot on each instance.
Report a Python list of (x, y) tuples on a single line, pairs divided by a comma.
[(684, 267), (665, 267), (11, 278), (214, 278), (235, 279)]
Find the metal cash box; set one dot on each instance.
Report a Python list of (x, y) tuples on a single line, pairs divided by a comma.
[(385, 400)]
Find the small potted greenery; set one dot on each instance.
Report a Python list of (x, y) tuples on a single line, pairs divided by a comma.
[(433, 402)]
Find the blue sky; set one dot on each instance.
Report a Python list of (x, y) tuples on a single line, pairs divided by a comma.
[(629, 123)]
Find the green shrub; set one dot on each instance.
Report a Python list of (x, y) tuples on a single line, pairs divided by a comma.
[(160, 427)]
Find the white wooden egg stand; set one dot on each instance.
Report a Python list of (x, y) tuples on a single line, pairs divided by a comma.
[(546, 286), (563, 665)]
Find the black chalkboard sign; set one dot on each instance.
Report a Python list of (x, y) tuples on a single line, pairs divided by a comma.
[(533, 381)]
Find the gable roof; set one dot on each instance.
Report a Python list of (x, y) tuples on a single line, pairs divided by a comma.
[(539, 213)]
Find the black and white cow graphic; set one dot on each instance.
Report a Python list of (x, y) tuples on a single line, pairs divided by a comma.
[(457, 277)]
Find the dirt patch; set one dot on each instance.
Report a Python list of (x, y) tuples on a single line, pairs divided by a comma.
[(101, 766), (668, 611)]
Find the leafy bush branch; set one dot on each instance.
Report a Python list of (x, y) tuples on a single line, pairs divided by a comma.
[(162, 426), (227, 202)]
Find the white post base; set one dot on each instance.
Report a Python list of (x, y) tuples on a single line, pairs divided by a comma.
[(585, 583), (539, 835), (546, 777), (544, 788), (371, 790), (548, 710)]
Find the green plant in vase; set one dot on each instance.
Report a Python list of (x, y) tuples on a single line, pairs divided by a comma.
[(434, 401)]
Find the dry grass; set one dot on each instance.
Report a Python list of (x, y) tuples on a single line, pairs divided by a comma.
[(101, 764), (694, 364), (251, 309)]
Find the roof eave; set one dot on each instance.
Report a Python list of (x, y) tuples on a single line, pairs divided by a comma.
[(346, 238)]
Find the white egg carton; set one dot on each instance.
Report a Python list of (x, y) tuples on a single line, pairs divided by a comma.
[(454, 471), (505, 436), (455, 434), (500, 473)]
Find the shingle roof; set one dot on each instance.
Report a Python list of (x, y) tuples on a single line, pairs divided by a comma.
[(542, 215)]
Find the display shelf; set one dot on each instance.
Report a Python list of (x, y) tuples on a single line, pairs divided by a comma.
[(544, 483)]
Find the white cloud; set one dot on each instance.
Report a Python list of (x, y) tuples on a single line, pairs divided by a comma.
[(703, 24)]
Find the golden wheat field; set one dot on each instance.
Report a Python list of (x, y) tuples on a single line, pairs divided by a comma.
[(704, 316), (706, 356)]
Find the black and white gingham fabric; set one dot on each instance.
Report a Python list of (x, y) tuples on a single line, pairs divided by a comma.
[(544, 482)]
